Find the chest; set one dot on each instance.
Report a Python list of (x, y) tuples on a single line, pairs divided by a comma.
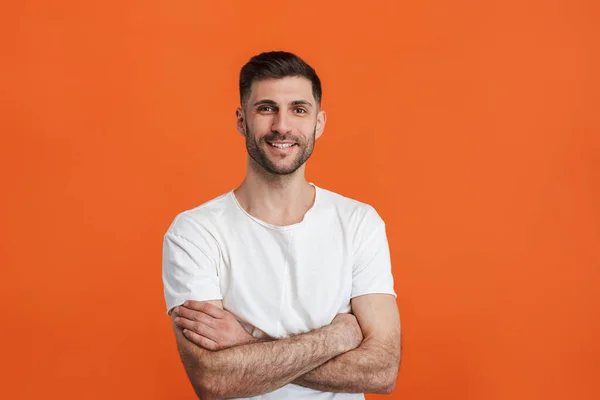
[(289, 281)]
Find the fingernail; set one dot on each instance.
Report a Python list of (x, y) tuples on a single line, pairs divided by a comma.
[(185, 303), (177, 319)]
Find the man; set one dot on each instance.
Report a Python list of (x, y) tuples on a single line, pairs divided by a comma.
[(279, 288)]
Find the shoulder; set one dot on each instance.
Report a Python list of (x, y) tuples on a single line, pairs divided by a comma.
[(202, 218), (347, 207), (357, 214)]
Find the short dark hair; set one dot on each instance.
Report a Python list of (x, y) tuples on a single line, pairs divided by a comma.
[(276, 65)]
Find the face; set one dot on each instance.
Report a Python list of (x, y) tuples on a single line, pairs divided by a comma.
[(281, 121)]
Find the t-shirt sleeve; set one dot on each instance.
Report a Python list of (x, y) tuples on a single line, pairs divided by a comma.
[(372, 269), (189, 264)]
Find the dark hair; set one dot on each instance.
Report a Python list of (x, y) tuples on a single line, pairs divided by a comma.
[(276, 65)]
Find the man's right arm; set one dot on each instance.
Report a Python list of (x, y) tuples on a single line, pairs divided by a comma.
[(258, 368)]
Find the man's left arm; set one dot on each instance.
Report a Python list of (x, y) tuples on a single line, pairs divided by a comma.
[(373, 366)]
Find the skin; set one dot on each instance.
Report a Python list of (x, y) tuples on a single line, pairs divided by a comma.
[(357, 353)]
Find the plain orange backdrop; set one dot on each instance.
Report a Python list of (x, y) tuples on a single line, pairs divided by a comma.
[(471, 126)]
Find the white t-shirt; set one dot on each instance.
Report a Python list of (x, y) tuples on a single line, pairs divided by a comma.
[(278, 280)]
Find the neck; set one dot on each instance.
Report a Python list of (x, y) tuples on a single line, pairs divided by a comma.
[(275, 199)]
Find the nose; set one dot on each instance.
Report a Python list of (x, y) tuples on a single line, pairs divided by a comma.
[(281, 123)]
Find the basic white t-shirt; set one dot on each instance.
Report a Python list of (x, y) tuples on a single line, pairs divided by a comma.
[(278, 280)]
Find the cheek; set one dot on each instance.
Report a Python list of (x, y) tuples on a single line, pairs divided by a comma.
[(308, 130), (260, 126)]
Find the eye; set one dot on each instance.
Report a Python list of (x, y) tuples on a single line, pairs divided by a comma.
[(301, 110), (266, 109)]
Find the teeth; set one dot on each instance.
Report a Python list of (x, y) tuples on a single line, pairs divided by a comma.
[(281, 145)]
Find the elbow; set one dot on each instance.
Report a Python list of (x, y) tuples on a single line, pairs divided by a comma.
[(389, 377), (207, 386), (206, 389), (202, 388), (387, 382), (206, 394), (387, 388)]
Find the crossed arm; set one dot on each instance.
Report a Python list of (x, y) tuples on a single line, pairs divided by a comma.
[(373, 366), (354, 354)]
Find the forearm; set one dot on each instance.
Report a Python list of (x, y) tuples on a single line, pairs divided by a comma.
[(370, 368), (255, 369)]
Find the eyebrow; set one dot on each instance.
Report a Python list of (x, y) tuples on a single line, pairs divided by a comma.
[(301, 103), (273, 103)]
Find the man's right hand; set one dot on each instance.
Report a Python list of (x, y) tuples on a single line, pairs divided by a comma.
[(352, 334), (210, 327)]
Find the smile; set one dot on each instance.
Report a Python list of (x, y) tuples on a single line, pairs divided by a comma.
[(282, 145)]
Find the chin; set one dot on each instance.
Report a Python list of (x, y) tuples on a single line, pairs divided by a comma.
[(282, 170)]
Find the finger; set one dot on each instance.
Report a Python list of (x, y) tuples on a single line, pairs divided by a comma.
[(205, 307), (196, 316), (197, 327), (200, 340)]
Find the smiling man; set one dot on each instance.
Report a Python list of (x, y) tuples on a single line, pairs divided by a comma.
[(279, 288)]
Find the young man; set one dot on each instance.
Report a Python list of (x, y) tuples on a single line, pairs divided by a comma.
[(279, 288)]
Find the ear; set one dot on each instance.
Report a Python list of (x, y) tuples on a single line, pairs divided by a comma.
[(240, 121), (321, 120)]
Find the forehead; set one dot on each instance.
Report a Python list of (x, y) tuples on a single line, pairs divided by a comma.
[(284, 90)]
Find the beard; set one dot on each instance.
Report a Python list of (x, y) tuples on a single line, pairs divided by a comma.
[(256, 150)]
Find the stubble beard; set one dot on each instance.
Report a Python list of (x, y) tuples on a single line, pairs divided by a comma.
[(260, 156)]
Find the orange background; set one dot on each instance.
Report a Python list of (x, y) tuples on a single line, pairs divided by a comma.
[(471, 126)]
